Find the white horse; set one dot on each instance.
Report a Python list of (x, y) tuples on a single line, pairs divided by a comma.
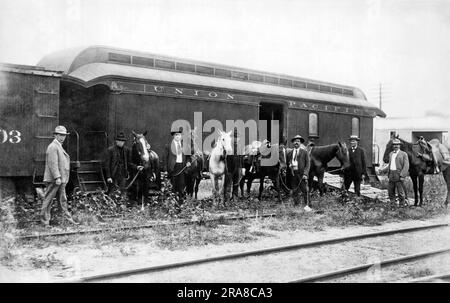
[(217, 160)]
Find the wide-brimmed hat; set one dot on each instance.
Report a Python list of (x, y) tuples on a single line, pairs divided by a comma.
[(176, 131), (396, 142), (121, 137), (60, 130), (353, 138), (298, 137)]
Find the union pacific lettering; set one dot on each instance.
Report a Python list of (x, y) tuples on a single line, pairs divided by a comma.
[(223, 96), (168, 90)]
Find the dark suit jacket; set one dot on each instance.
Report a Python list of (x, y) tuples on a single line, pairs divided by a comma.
[(170, 158), (357, 166), (113, 156), (303, 161)]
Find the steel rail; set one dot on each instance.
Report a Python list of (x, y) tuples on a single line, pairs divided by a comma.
[(253, 253), (359, 268), (433, 278), (136, 227)]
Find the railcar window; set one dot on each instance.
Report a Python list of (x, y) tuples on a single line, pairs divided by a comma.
[(313, 125), (143, 61), (119, 58), (355, 126), (256, 77), (165, 64)]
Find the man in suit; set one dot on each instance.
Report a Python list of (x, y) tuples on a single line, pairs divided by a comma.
[(298, 163), (56, 175), (175, 161), (397, 171), (357, 170), (234, 171), (117, 163)]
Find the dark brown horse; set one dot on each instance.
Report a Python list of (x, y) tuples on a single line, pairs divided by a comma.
[(143, 156), (193, 173), (255, 168), (320, 156), (418, 166)]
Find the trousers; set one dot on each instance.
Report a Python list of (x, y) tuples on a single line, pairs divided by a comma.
[(50, 192)]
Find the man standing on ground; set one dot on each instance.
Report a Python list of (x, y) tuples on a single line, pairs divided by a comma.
[(116, 164), (397, 171), (298, 162), (56, 175), (357, 170), (175, 162)]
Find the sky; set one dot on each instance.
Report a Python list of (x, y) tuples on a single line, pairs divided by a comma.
[(402, 45)]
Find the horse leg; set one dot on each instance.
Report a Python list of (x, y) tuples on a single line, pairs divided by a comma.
[(278, 186), (197, 184), (241, 185), (249, 184), (227, 177), (446, 174), (414, 181), (321, 186), (261, 186), (421, 180)]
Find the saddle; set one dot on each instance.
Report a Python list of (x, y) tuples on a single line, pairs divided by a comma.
[(427, 152)]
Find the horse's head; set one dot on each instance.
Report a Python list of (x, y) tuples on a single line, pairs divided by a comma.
[(342, 155), (142, 146), (225, 142)]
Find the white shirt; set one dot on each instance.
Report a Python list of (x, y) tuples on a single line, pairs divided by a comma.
[(295, 153), (179, 152), (393, 157)]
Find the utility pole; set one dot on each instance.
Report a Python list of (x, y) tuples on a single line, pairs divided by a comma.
[(380, 96)]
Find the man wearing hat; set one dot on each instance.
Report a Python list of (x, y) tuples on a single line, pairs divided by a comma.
[(357, 170), (298, 163), (175, 162), (117, 163), (234, 170), (397, 171), (56, 175)]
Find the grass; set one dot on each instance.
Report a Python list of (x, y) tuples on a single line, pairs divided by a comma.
[(330, 210)]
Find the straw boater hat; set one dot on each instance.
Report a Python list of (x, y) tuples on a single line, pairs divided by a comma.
[(396, 142), (60, 130), (177, 131), (298, 137), (353, 138), (121, 137)]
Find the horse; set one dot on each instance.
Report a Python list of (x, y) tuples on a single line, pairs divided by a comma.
[(419, 165), (443, 158), (142, 155), (193, 174), (254, 154), (217, 160), (320, 156)]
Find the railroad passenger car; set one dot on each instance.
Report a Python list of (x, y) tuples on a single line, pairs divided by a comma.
[(106, 90)]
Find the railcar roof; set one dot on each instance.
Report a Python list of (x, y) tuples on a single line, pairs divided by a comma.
[(93, 71), (90, 63), (28, 69)]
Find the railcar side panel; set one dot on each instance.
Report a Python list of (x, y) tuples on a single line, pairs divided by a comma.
[(28, 115), (157, 113)]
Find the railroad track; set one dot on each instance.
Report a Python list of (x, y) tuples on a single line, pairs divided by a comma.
[(169, 266), (359, 268), (142, 226)]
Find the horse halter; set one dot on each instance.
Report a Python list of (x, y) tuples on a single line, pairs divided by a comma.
[(137, 141)]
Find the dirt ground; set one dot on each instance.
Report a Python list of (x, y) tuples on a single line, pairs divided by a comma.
[(56, 259)]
